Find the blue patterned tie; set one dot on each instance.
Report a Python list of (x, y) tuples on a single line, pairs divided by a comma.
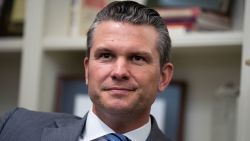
[(112, 137)]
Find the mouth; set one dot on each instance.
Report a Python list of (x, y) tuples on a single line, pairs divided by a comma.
[(119, 90)]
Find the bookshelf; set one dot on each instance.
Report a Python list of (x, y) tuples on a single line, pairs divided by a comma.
[(201, 39), (194, 39), (11, 44), (204, 60), (64, 43)]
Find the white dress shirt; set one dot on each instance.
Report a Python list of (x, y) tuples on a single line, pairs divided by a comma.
[(95, 128)]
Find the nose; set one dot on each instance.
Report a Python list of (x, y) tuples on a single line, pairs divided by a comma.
[(120, 70)]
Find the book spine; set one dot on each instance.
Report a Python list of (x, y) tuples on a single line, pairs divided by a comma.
[(179, 12)]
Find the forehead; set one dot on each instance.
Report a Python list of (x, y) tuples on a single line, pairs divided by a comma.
[(124, 35), (110, 26)]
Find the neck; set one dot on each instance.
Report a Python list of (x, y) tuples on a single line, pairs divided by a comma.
[(122, 123)]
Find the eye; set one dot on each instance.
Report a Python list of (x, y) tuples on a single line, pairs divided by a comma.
[(105, 56), (138, 59)]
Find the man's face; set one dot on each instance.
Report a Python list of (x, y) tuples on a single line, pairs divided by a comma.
[(123, 70)]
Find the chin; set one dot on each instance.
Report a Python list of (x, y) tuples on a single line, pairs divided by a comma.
[(119, 109)]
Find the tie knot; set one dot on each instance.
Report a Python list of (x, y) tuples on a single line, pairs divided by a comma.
[(112, 137)]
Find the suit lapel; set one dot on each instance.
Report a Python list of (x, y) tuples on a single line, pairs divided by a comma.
[(155, 132), (65, 130)]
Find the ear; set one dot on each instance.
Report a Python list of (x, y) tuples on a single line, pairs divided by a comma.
[(166, 76), (86, 65)]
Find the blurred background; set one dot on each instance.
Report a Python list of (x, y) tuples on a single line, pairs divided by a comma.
[(43, 43)]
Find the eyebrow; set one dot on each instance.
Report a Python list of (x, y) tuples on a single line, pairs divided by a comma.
[(102, 49), (131, 52)]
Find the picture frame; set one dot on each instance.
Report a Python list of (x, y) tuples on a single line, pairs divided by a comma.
[(168, 109)]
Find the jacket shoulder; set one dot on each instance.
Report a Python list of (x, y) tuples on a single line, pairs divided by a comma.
[(21, 114), (22, 121)]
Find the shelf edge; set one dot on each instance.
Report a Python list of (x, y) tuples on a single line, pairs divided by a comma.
[(11, 44), (194, 39), (201, 39), (64, 43)]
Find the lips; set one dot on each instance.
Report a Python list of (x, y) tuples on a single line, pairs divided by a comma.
[(121, 90)]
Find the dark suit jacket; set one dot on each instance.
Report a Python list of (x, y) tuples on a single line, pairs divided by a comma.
[(24, 125)]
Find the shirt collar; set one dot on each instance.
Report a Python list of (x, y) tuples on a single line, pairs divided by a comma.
[(95, 128), (140, 134)]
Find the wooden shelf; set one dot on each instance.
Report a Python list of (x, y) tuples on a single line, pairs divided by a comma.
[(11, 44), (205, 39), (64, 43), (189, 39)]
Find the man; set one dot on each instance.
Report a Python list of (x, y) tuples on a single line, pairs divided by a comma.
[(127, 64)]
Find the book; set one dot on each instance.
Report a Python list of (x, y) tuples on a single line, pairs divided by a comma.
[(194, 18), (1, 6), (83, 13), (179, 18), (17, 17), (12, 17), (6, 8), (181, 12), (222, 6), (208, 20)]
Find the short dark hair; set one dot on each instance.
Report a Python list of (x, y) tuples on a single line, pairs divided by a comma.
[(134, 13)]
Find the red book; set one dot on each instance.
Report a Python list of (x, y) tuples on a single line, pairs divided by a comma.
[(179, 12)]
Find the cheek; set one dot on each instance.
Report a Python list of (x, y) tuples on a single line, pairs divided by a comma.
[(148, 80), (148, 76), (97, 71), (97, 74)]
